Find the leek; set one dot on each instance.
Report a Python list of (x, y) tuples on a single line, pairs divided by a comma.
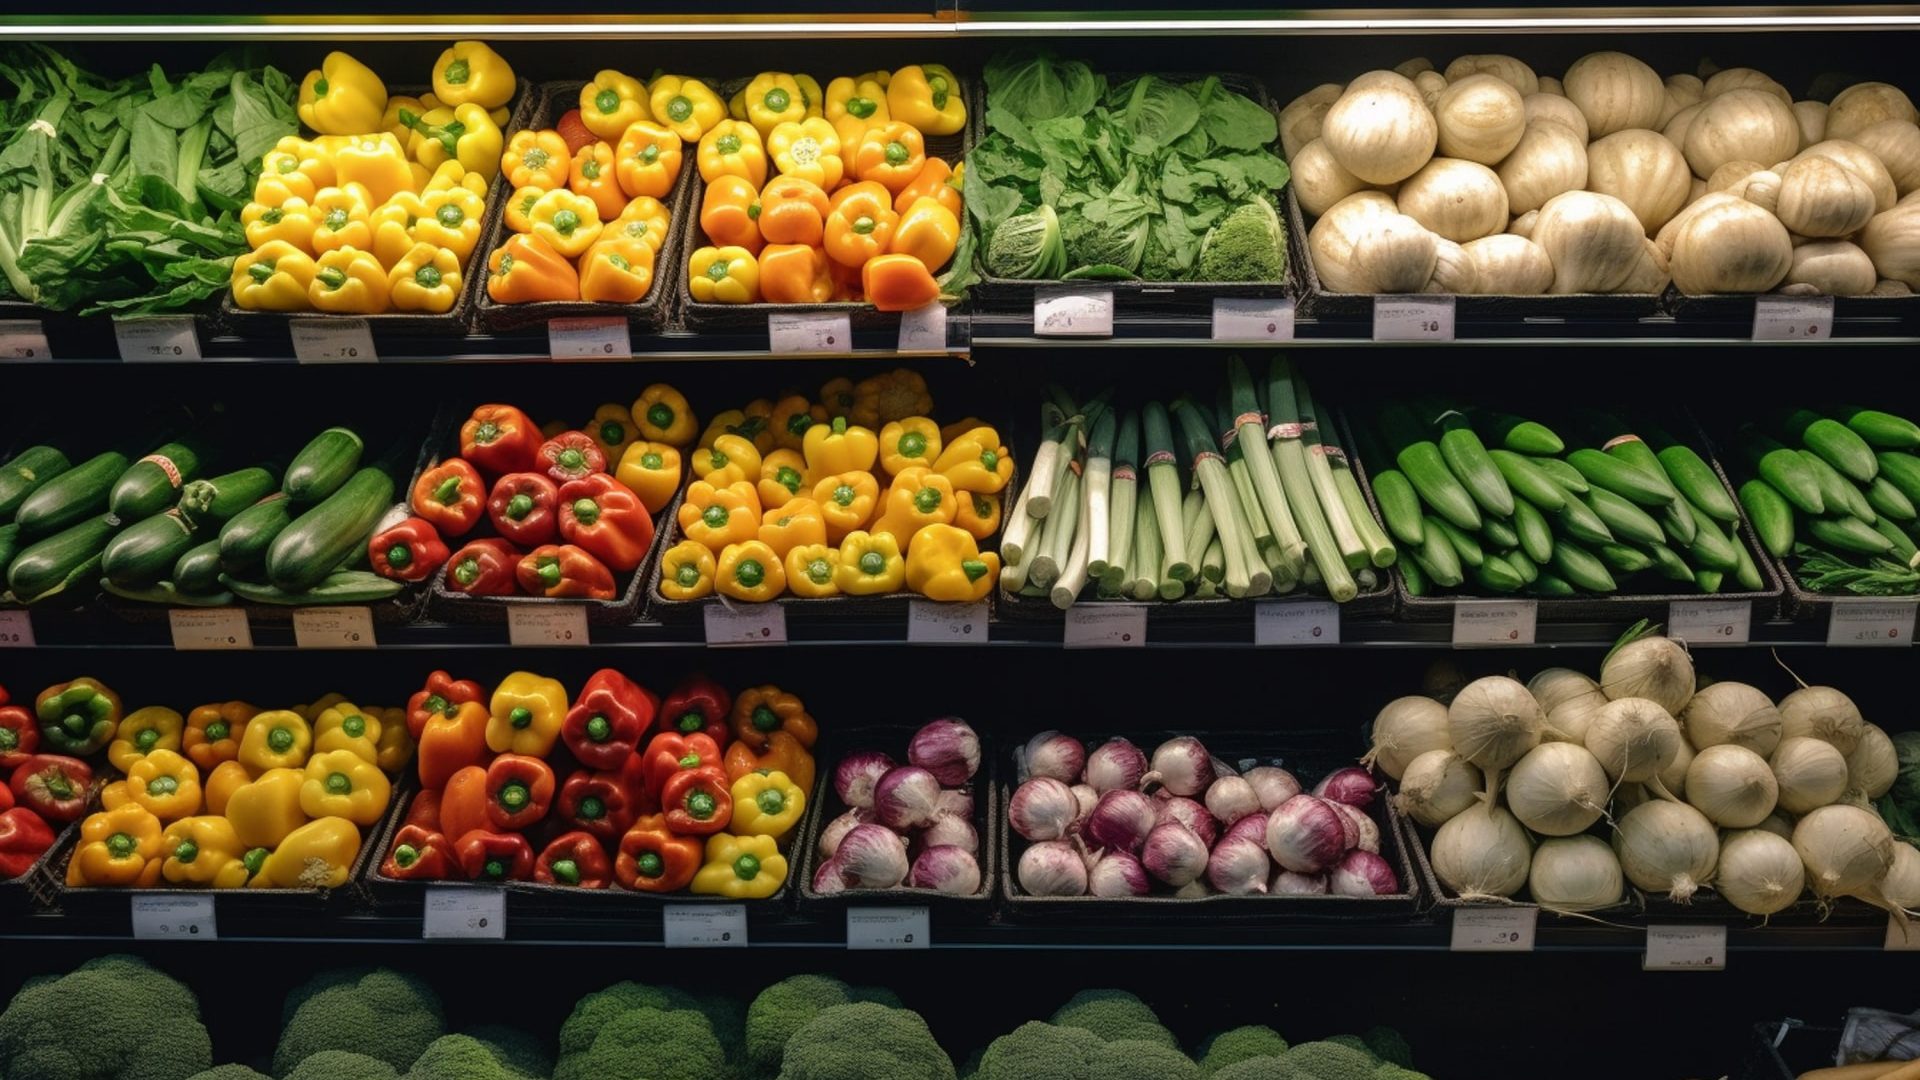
[(1095, 493), (1122, 497), (1146, 549), (1290, 460), (1222, 500), (1320, 471), (1163, 478), (1057, 537)]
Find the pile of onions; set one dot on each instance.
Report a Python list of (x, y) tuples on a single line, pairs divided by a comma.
[(1668, 847), (1492, 723), (1558, 789), (1575, 873), (1405, 728), (1654, 667), (912, 826)]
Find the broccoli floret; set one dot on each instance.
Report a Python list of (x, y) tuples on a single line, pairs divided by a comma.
[(380, 1013), (113, 1018), (865, 1041), (1133, 1059), (342, 1065), (728, 1017), (518, 1050), (1035, 1049), (1389, 1045), (784, 1008), (649, 1044), (1329, 1060), (1247, 245), (462, 1057), (229, 1072), (1390, 1071), (1113, 1015), (1261, 1068), (596, 1010), (1239, 1044)]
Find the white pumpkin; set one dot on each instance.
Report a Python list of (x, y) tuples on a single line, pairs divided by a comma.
[(1507, 69), (1616, 92), (1820, 197), (1480, 119), (1300, 120), (1682, 90), (1431, 85), (1455, 199), (1557, 108), (1394, 254), (1642, 169), (1740, 124), (1522, 225), (1743, 78), (1731, 246), (1675, 129), (1664, 239), (1594, 241), (1812, 118), (1550, 158), (1318, 180), (1831, 268), (1892, 241), (1413, 67), (1862, 163), (1331, 239), (1650, 274), (1696, 189), (1380, 132), (1454, 272), (1863, 105), (1510, 265), (1897, 144)]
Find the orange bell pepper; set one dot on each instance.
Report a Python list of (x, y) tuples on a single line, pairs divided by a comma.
[(730, 214), (783, 753), (794, 274), (451, 743), (463, 804), (536, 157), (899, 283), (520, 204), (644, 219), (592, 175), (616, 271), (213, 733), (526, 269), (792, 211), (860, 224), (649, 160), (928, 231), (932, 183), (892, 156)]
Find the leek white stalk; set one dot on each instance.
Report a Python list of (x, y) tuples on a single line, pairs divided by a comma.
[(1251, 435), (1213, 565), (1290, 460), (1197, 524), (1121, 500), (1095, 485), (1221, 498), (1056, 433), (1073, 577), (1163, 479), (1021, 527), (1257, 528), (1056, 538), (1145, 583), (1320, 471), (1380, 550)]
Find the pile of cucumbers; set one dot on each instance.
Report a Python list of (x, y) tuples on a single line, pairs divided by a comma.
[(1482, 502)]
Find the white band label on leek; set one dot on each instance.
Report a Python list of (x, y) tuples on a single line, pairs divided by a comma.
[(1125, 472), (1206, 455), (1619, 440), (1286, 431), (1160, 457), (1336, 455)]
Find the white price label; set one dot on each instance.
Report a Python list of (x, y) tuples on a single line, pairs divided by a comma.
[(1073, 313), (1871, 623), (1413, 318), (930, 622), (547, 624), (1494, 929), (705, 926), (1902, 936), (1710, 622), (330, 340), (1494, 622), (168, 337), (1106, 626), (174, 918), (746, 624), (924, 329), (1296, 622), (464, 913), (1685, 948), (1252, 320), (16, 630), (23, 339), (808, 332), (889, 928), (333, 628), (1793, 318), (589, 339), (210, 628)]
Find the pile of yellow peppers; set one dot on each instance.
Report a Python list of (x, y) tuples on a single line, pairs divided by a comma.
[(856, 493), (232, 796), (829, 195), (381, 209)]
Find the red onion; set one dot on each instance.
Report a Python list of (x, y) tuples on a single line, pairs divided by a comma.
[(829, 878), (1182, 766), (854, 777), (834, 831), (1274, 786), (1193, 890), (1117, 874), (944, 869), (954, 802), (947, 748), (1053, 868), (1120, 822), (1042, 809), (1189, 813), (873, 857), (1366, 835), (1238, 866), (1352, 785), (1362, 873), (1231, 798), (1288, 883), (906, 798), (946, 831), (1055, 755), (1349, 829), (1173, 854), (1084, 799), (1116, 765), (1306, 835)]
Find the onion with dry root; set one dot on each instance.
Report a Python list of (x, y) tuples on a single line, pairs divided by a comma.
[(1437, 785), (1493, 722), (1575, 873), (1667, 847), (1482, 852), (1403, 729), (1759, 872)]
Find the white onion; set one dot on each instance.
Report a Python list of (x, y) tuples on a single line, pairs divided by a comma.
[(1042, 809), (1674, 776), (1732, 785), (906, 798), (1053, 868), (1055, 755), (1114, 765), (1759, 872), (1306, 835), (1874, 764), (1656, 668), (836, 830), (1405, 728), (1811, 773), (1288, 883), (1274, 785), (1778, 825), (1732, 712), (1352, 785), (1366, 834), (1231, 798), (1558, 789), (1847, 851), (946, 869), (1493, 722), (1239, 866), (1117, 873), (1181, 765), (1823, 713), (1628, 796), (1189, 813), (947, 830), (1482, 852), (948, 748), (1634, 739), (1555, 686), (1575, 873), (1438, 785), (873, 857), (1173, 854), (1121, 821), (1363, 873), (1568, 721), (1667, 846), (1901, 886)]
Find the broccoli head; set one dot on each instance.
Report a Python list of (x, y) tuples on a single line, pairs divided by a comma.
[(229, 1072), (865, 1041), (1390, 1071), (596, 1010), (1035, 1049), (1113, 1015), (112, 1018), (1134, 1059), (728, 1016), (1354, 1042), (518, 1050), (649, 1044), (784, 1008), (1329, 1060), (1239, 1044), (1389, 1045), (380, 1013), (1260, 1068), (461, 1057), (342, 1065), (1247, 245)]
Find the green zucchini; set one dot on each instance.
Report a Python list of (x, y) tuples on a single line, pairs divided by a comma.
[(198, 571), (1438, 557), (145, 551), (1708, 581), (65, 557), (1399, 506), (23, 474), (1470, 552), (1520, 436), (1624, 520), (1709, 546), (75, 495), (1677, 524), (1529, 481), (1416, 578), (339, 587), (1466, 456), (1551, 584), (1883, 431), (1888, 500), (215, 501), (303, 555), (1495, 575), (323, 465), (1536, 536), (1624, 558), (1668, 563), (1903, 547), (1902, 470), (1784, 469), (1845, 534), (1839, 495), (1579, 567), (1771, 514), (9, 546), (1841, 447), (1745, 571), (1623, 478), (1525, 567), (1631, 449), (1565, 475), (169, 595), (1420, 460), (1694, 478), (245, 538), (153, 483), (1499, 531), (1578, 520)]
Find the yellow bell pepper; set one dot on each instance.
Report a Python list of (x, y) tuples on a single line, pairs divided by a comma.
[(273, 278), (774, 98), (592, 175), (794, 274), (397, 744), (686, 107), (342, 219), (538, 158), (750, 571), (766, 804), (648, 160), (143, 731), (741, 867), (928, 97), (663, 416), (165, 784), (723, 275), (870, 563), (569, 223), (317, 855), (612, 101), (613, 430), (265, 811), (276, 739), (341, 97), (792, 416), (203, 851), (809, 150), (377, 163), (759, 424), (650, 470), (271, 191), (644, 219), (811, 93), (451, 174), (978, 514), (836, 447), (686, 571), (810, 571), (919, 497), (729, 460), (319, 705), (735, 421), (525, 714), (393, 224), (836, 396), (891, 155), (928, 231), (392, 124), (451, 219), (115, 795), (427, 278), (347, 727), (616, 270), (944, 563), (118, 847), (976, 462), (783, 474), (899, 393), (853, 106), (471, 72), (349, 282), (796, 523), (291, 221), (860, 225), (732, 148), (905, 443), (719, 516), (341, 783), (847, 501), (220, 784)]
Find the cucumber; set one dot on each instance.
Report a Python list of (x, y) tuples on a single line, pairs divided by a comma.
[(1529, 481), (1438, 557), (1578, 520), (9, 546), (1882, 431), (1694, 478), (1464, 545), (170, 595), (1416, 578), (153, 483), (1710, 547), (1783, 468), (1579, 567), (1525, 567), (245, 538), (24, 473), (308, 550), (1630, 449), (67, 556), (1903, 547), (1902, 470), (1745, 572), (1499, 531), (1466, 456), (1889, 501), (1420, 460), (1771, 514), (145, 551), (1565, 475), (1841, 447), (1677, 524), (198, 571), (339, 587), (1708, 581), (75, 495), (1551, 584), (1624, 520), (1625, 559), (215, 501), (1520, 436), (1841, 533), (323, 465), (1399, 506), (1494, 574), (1536, 536), (1840, 496), (1668, 563), (1627, 480)]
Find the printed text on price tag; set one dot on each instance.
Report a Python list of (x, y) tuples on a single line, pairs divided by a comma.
[(1073, 313), (931, 622), (331, 340), (1672, 947), (1255, 320), (1710, 622), (547, 624), (162, 337), (1494, 622), (589, 339), (745, 624), (23, 339), (174, 918), (1494, 929), (1413, 318), (210, 628), (1106, 626), (889, 928), (333, 628), (705, 926), (16, 630), (796, 332), (1296, 622), (464, 913), (924, 329), (1871, 623), (1793, 318)]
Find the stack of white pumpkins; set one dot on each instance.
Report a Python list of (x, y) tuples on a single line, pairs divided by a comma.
[(1488, 178)]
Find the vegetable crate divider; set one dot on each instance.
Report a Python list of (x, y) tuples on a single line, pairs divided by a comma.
[(973, 908), (1783, 1049), (1738, 307), (652, 314), (235, 320), (700, 317), (1134, 298), (39, 886), (1321, 752)]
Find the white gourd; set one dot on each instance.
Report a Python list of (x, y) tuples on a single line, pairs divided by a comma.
[(1557, 108), (1431, 85), (1480, 119), (1897, 144), (1453, 271), (1510, 265), (1413, 67), (1743, 78), (1507, 69), (1643, 170), (1593, 240), (1863, 105), (1380, 132), (1730, 247), (1459, 200), (1650, 274), (1812, 118), (1522, 225), (1682, 91), (1300, 121), (1318, 180), (1740, 124), (1550, 158), (1676, 128), (1615, 92), (1862, 163), (1832, 268), (1331, 239), (1892, 241), (1819, 197), (1393, 253), (1551, 85)]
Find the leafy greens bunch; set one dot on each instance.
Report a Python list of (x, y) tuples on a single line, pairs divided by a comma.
[(123, 195), (1150, 179)]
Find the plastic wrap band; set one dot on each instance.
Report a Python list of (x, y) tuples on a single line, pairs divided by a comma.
[(166, 466), (1338, 455), (1159, 457), (1206, 455), (1124, 472), (1618, 440), (1286, 431)]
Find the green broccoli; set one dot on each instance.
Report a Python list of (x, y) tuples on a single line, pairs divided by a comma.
[(1239, 1044), (1354, 1042), (1329, 1060), (1247, 245), (518, 1050), (380, 1013), (461, 1057), (1389, 1045), (342, 1065), (784, 1008), (112, 1018), (865, 1041), (1035, 1049), (1260, 1068), (229, 1072), (1113, 1015), (728, 1015), (596, 1010), (1134, 1059), (1390, 1071), (649, 1044)]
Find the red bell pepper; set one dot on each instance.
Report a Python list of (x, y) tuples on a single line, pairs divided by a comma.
[(24, 837), (521, 508), (483, 568), (519, 790), (670, 752), (452, 496), (410, 551), (597, 802), (463, 803), (604, 516), (698, 704), (492, 856), (424, 810), (440, 696), (571, 455), (562, 570), (608, 720), (500, 439), (6, 797), (19, 737), (53, 786), (574, 858), (653, 859), (418, 854), (4, 696), (697, 802)]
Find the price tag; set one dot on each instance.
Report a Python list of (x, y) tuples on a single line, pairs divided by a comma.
[(1296, 622), (210, 628), (1494, 929), (333, 628), (330, 340), (1252, 320), (1710, 622), (589, 339), (1685, 948), (16, 630), (930, 622), (174, 918), (924, 329), (888, 928), (746, 624), (705, 926), (1902, 937), (464, 913), (1413, 318), (1494, 622), (1871, 624), (168, 337), (547, 624), (807, 332), (23, 339), (1073, 313), (1106, 626), (1793, 318)]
